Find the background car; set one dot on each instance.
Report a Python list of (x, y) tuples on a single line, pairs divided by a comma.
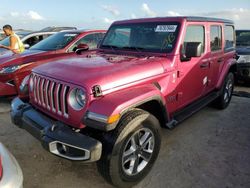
[(10, 172), (243, 52), (14, 68), (19, 31), (2, 35), (57, 29), (28, 38)]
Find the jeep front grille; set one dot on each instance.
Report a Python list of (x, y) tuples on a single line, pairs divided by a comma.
[(51, 95)]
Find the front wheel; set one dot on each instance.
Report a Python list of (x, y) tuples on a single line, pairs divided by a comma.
[(227, 91), (131, 149)]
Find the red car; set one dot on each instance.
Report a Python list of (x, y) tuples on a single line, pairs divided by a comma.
[(109, 105), (15, 67)]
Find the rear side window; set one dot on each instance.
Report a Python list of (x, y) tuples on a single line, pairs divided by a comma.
[(229, 37), (194, 33), (215, 38)]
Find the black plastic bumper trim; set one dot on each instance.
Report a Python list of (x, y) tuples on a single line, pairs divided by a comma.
[(48, 130)]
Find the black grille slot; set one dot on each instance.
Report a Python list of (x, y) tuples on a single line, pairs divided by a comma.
[(51, 95)]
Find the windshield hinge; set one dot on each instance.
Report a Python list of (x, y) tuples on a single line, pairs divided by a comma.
[(97, 91)]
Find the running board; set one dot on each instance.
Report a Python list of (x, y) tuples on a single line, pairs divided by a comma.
[(191, 109)]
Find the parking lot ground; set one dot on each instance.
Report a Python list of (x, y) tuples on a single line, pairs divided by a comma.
[(210, 149)]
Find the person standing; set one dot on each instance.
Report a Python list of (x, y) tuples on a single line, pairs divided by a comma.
[(15, 44)]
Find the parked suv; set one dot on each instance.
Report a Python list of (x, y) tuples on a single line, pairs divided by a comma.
[(108, 105), (243, 53)]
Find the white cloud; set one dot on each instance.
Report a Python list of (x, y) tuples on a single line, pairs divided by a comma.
[(108, 21), (173, 13), (148, 12), (34, 15), (114, 11), (30, 15), (14, 14), (240, 16), (133, 16)]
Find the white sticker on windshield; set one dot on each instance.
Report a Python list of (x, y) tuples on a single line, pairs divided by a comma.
[(70, 35), (165, 28)]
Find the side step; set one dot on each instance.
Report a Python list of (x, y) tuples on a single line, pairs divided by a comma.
[(191, 109)]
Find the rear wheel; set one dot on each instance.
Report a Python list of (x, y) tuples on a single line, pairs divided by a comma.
[(227, 91), (131, 149)]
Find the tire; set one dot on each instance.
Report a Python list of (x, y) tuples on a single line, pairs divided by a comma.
[(227, 91), (130, 150)]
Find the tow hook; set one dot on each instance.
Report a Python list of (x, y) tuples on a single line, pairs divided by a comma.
[(21, 107)]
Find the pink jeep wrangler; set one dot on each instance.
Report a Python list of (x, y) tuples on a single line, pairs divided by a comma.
[(109, 105)]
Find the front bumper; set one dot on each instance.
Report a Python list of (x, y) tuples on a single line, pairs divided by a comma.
[(243, 71), (12, 173), (55, 136)]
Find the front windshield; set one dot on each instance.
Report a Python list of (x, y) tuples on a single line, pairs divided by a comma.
[(149, 37), (243, 38), (55, 42)]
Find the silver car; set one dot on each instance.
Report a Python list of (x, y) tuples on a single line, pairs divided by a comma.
[(11, 175)]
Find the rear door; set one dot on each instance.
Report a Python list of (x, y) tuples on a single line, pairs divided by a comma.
[(216, 54)]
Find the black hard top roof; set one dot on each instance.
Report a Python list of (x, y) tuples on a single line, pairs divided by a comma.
[(176, 18)]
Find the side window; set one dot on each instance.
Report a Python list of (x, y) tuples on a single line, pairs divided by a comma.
[(32, 40), (46, 36), (91, 40), (229, 37), (215, 38), (194, 33), (99, 37), (40, 38)]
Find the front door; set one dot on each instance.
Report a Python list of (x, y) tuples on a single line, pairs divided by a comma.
[(193, 74)]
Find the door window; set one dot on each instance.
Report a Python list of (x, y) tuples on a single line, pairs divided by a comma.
[(194, 33), (215, 38)]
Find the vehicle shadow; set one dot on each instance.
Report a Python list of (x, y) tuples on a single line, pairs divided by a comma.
[(5, 105)]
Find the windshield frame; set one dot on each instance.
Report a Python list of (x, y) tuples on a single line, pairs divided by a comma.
[(137, 48)]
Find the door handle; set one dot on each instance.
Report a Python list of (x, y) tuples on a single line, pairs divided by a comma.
[(205, 65), (220, 60), (179, 74)]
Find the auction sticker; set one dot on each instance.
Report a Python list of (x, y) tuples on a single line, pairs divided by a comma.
[(165, 28)]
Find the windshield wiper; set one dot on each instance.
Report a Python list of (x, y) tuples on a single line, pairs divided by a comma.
[(139, 49), (110, 46)]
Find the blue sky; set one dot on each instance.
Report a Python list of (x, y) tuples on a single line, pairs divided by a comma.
[(36, 14)]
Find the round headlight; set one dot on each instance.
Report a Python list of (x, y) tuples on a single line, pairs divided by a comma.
[(80, 97), (77, 99)]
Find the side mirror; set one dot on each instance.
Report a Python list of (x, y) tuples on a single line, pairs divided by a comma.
[(81, 47), (26, 46), (191, 49)]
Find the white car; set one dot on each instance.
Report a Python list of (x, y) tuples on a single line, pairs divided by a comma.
[(28, 38), (11, 175)]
